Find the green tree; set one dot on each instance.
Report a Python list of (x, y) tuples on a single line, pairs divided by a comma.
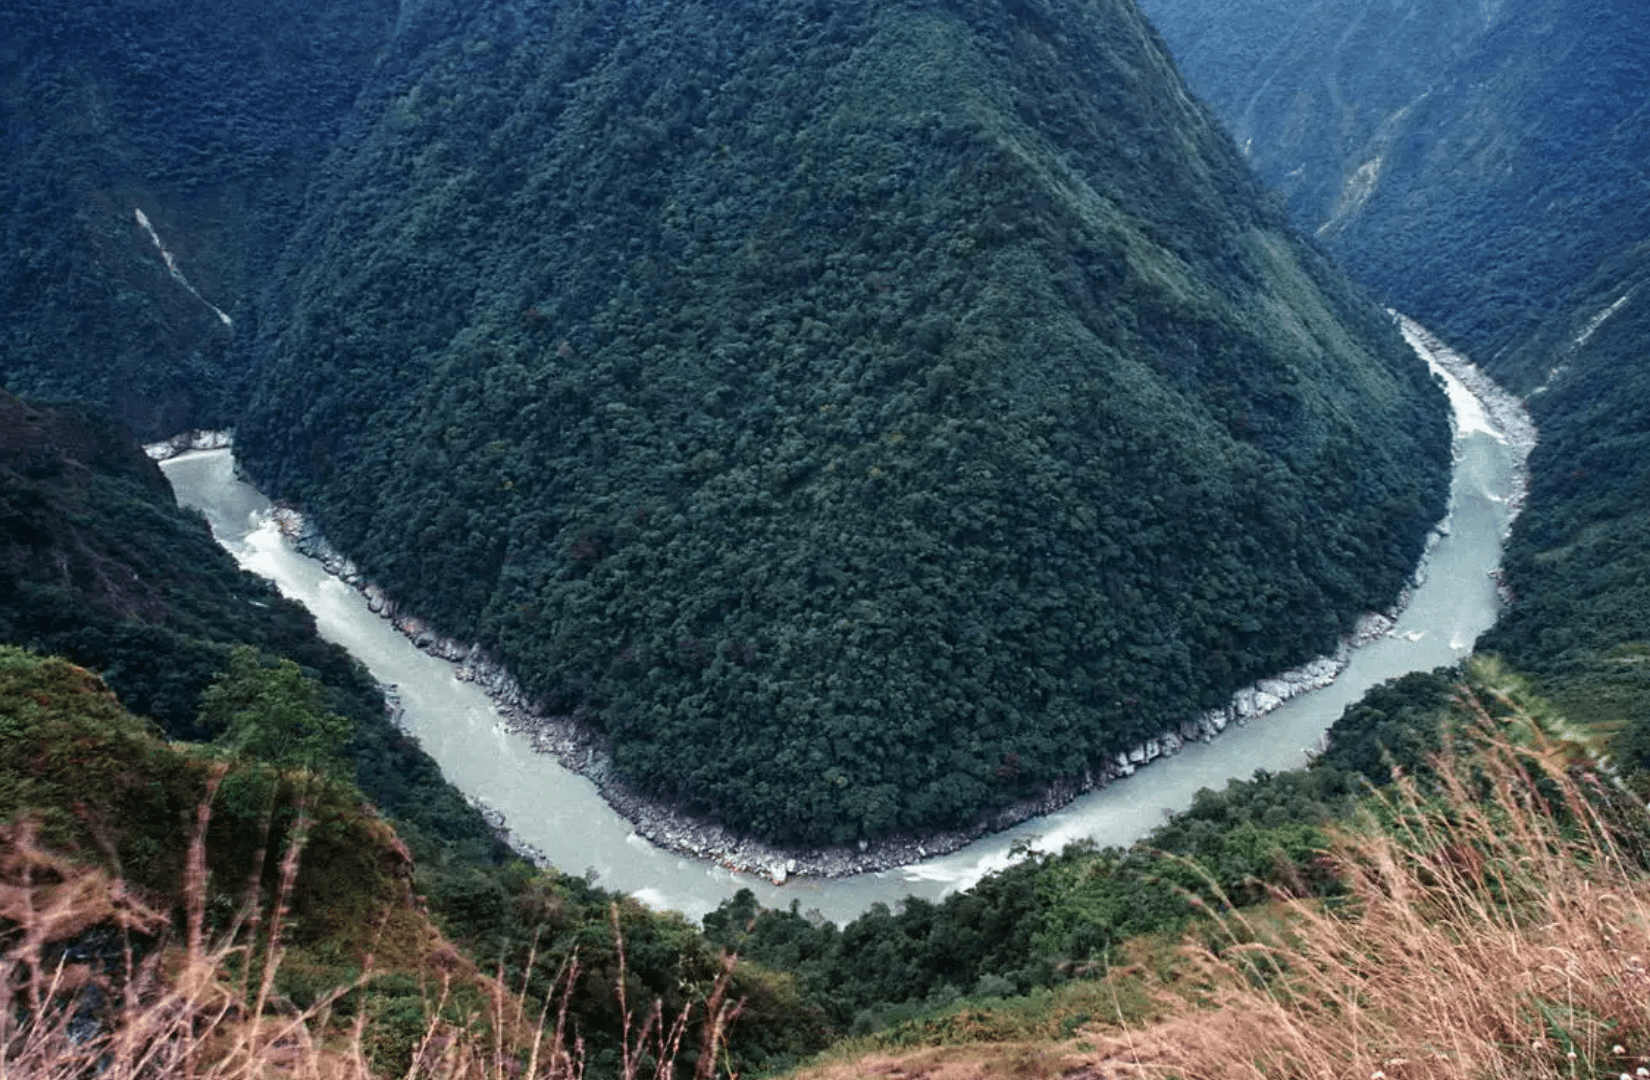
[(274, 714)]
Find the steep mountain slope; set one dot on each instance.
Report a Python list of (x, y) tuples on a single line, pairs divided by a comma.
[(97, 563), (1486, 167), (206, 118), (864, 413), (1475, 163), (1580, 563)]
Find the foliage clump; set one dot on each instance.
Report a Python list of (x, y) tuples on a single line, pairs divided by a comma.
[(213, 891)]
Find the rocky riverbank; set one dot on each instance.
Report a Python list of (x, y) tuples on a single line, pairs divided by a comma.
[(583, 750), (1505, 413), (188, 441)]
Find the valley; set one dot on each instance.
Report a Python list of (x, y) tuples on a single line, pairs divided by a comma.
[(486, 747), (856, 437)]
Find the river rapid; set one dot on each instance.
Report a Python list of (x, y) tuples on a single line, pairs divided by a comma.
[(562, 817)]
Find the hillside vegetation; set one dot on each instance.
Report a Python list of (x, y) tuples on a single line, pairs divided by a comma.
[(209, 881), (1475, 164), (864, 415), (861, 415), (209, 119), (1484, 168)]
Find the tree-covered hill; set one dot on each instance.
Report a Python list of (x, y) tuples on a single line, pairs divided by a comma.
[(210, 119), (864, 413), (1580, 560), (1485, 167)]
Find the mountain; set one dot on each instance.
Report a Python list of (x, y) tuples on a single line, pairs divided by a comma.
[(207, 119), (864, 414), (1485, 167), (99, 565), (1475, 163)]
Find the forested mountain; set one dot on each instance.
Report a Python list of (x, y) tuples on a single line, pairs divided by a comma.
[(99, 565), (863, 413), (1486, 167), (206, 118), (1473, 161)]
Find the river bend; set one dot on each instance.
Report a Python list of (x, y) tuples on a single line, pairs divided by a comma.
[(562, 815)]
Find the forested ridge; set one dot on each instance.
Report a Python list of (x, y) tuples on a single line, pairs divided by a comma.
[(1048, 388), (1474, 164), (863, 415), (1485, 169)]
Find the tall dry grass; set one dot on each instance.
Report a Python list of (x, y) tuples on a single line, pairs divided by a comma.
[(1496, 924), (149, 1003)]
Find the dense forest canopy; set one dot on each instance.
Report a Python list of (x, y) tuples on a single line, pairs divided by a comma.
[(1486, 168), (863, 413)]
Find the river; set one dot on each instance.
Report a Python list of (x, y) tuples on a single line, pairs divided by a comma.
[(562, 815)]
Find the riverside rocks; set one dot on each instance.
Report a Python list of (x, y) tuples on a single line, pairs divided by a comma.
[(184, 442), (1506, 413), (579, 747)]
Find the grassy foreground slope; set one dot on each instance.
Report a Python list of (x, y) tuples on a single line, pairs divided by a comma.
[(1491, 920), (863, 413)]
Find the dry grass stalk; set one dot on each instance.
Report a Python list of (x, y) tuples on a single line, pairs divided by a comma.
[(653, 1044), (209, 1011), (1493, 930)]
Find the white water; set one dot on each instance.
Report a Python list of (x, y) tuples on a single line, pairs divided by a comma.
[(561, 814)]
